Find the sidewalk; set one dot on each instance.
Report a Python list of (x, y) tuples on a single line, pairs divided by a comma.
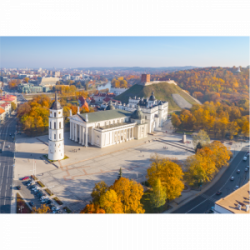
[(188, 196)]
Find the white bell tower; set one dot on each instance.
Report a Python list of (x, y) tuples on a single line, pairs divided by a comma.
[(56, 135)]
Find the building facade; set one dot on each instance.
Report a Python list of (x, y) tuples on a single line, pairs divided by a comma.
[(118, 123), (56, 134)]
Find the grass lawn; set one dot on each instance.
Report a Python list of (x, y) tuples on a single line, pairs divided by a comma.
[(46, 156), (22, 207), (145, 200)]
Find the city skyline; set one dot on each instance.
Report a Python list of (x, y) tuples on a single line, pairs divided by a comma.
[(86, 52)]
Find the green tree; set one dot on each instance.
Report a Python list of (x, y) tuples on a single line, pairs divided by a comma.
[(158, 196), (202, 138), (120, 173), (99, 189)]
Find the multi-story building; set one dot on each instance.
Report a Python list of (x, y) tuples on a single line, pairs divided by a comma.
[(235, 203)]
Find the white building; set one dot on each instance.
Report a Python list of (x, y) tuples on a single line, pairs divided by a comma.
[(118, 124), (49, 81), (118, 91), (238, 70), (106, 128), (235, 203), (56, 135)]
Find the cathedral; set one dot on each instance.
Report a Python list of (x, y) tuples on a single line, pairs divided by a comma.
[(118, 123)]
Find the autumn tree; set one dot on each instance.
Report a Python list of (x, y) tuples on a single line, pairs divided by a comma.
[(26, 79), (129, 192), (201, 137), (92, 209), (44, 209), (221, 155), (99, 189), (175, 120), (13, 106), (158, 196), (169, 173), (111, 203)]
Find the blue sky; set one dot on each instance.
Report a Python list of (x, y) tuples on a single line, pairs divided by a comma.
[(67, 52)]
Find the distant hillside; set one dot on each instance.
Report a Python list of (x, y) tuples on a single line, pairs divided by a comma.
[(162, 91)]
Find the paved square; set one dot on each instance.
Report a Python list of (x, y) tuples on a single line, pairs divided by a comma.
[(73, 179)]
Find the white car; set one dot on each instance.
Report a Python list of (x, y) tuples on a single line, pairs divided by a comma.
[(236, 187), (244, 158), (232, 178)]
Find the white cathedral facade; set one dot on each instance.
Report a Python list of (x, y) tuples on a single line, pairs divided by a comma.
[(56, 133), (118, 123)]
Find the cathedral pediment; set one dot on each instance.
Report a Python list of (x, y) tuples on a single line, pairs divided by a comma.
[(76, 118)]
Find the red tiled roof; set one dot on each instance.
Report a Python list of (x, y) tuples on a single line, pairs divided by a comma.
[(1, 111)]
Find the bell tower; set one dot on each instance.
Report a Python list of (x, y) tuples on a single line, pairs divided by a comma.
[(56, 135)]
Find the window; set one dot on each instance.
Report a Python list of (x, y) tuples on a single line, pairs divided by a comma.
[(54, 136), (54, 125), (55, 114), (59, 136), (60, 125), (50, 125)]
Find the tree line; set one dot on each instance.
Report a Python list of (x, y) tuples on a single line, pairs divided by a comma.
[(217, 119)]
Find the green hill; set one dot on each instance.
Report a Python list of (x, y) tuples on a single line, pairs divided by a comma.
[(162, 91)]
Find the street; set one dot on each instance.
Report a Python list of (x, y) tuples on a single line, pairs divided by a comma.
[(203, 202), (6, 163)]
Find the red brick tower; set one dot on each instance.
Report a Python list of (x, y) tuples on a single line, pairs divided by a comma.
[(145, 78)]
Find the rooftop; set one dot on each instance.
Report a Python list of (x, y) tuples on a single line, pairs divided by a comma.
[(238, 197), (105, 115)]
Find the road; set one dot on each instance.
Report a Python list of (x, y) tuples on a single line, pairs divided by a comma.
[(6, 163), (203, 202)]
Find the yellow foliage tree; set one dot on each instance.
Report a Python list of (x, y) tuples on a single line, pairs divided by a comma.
[(169, 173), (129, 193), (99, 189), (41, 210), (111, 203)]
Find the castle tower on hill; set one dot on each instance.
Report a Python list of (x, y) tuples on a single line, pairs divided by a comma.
[(56, 135), (145, 78)]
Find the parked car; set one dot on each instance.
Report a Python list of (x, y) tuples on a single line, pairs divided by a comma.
[(18, 187), (238, 171), (31, 204), (211, 210), (25, 178), (10, 134), (48, 202), (232, 178), (244, 158), (246, 169), (218, 192)]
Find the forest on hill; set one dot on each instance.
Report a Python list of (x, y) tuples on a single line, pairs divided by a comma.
[(214, 83)]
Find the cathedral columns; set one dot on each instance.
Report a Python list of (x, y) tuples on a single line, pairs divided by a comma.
[(75, 132), (80, 134), (70, 131), (86, 137)]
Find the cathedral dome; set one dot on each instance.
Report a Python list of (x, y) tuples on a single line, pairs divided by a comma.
[(110, 106), (152, 97), (137, 114)]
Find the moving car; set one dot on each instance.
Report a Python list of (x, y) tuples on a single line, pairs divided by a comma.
[(211, 210), (232, 178), (218, 192), (236, 187), (246, 169), (10, 134), (238, 171), (244, 158)]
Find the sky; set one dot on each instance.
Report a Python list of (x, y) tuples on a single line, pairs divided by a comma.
[(72, 52)]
